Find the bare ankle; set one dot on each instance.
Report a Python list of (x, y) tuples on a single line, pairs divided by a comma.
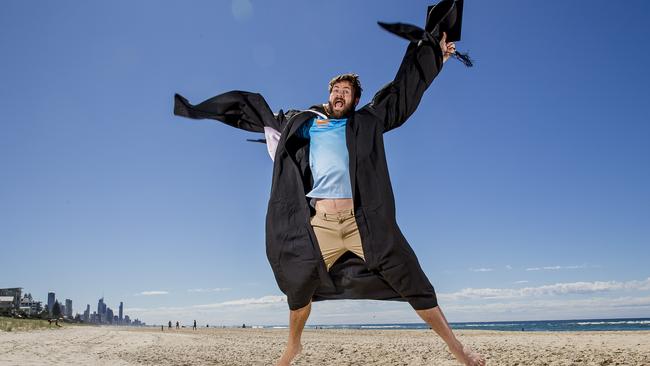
[(294, 346)]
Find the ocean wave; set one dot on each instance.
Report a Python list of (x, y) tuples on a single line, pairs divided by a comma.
[(491, 325), (614, 322)]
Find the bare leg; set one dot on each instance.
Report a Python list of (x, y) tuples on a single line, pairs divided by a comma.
[(437, 321), (297, 320)]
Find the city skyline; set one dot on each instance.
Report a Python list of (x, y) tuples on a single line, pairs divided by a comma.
[(104, 315)]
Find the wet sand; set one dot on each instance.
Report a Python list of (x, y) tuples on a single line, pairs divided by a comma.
[(75, 345)]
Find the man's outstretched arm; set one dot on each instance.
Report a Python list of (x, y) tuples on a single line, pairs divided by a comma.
[(397, 100)]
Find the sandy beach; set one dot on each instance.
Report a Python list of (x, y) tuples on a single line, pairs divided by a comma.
[(74, 345)]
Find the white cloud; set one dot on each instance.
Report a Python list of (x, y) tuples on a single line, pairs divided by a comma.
[(216, 289), (508, 267), (260, 301), (522, 281), (556, 308), (555, 268), (264, 300), (481, 269), (546, 290), (555, 301), (152, 293)]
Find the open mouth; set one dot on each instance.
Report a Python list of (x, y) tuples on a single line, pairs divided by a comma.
[(339, 103)]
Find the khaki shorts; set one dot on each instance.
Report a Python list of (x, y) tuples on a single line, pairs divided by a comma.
[(336, 233)]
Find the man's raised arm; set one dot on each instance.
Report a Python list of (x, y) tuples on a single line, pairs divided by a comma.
[(397, 100)]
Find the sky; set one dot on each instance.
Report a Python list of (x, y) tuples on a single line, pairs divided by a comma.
[(522, 184)]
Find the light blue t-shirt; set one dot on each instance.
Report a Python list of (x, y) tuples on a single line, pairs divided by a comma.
[(328, 157)]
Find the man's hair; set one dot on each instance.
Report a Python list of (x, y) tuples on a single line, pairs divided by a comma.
[(352, 78)]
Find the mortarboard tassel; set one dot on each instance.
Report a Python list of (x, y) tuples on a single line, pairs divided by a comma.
[(464, 58)]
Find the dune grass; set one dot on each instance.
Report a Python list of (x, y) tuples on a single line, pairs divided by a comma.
[(12, 324)]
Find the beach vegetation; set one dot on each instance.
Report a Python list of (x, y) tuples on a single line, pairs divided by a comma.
[(14, 324)]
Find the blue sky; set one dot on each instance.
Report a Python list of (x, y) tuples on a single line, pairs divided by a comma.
[(523, 184)]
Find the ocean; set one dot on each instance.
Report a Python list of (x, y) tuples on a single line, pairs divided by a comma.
[(631, 324)]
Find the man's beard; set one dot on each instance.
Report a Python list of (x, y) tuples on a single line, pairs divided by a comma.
[(348, 108)]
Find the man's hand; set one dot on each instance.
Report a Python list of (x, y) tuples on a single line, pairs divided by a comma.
[(448, 49)]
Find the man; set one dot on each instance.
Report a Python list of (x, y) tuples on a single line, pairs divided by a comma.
[(331, 231)]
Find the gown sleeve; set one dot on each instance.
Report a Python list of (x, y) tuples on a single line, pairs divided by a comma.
[(240, 109), (397, 100)]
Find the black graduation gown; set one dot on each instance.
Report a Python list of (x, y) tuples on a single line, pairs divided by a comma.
[(391, 270)]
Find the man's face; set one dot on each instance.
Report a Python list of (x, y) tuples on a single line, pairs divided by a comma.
[(342, 99)]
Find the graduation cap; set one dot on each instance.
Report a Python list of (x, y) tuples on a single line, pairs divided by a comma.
[(445, 16)]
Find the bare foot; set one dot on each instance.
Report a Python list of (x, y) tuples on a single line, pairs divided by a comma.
[(473, 358), (466, 356), (289, 354)]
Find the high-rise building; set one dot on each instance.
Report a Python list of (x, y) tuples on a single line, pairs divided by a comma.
[(121, 312), (68, 308), (101, 310), (51, 298), (109, 315), (87, 313)]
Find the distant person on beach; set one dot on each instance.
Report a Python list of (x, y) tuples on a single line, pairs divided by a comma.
[(331, 231), (177, 325), (170, 324), (194, 327)]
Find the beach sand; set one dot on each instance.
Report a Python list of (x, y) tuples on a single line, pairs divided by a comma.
[(86, 345)]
